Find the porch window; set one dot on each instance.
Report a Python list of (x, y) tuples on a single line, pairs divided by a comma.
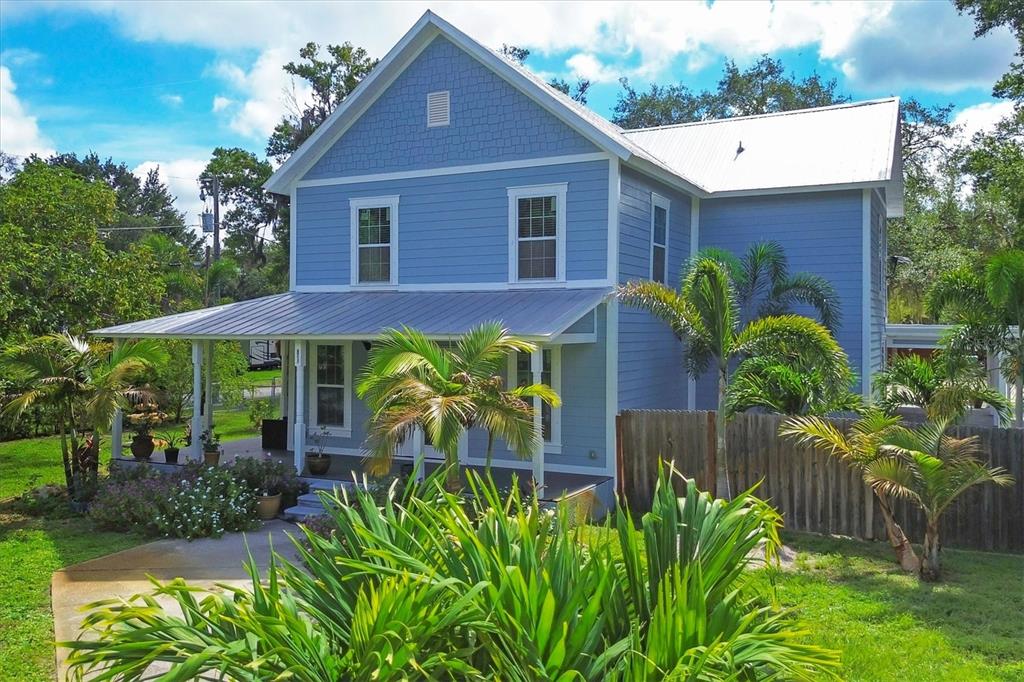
[(374, 240), (329, 392), (537, 233), (522, 375), (659, 238)]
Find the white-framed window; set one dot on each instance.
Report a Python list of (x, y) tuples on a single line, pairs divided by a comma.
[(659, 238), (374, 243), (438, 108), (330, 387), (536, 223), (520, 372)]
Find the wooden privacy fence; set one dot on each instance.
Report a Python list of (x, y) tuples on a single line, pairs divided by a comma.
[(814, 491)]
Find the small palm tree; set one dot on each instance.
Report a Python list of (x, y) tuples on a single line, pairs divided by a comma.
[(931, 469), (705, 314), (411, 382), (84, 383), (860, 448), (944, 388), (765, 383), (988, 308)]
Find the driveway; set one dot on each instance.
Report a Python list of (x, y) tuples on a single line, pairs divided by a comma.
[(203, 562)]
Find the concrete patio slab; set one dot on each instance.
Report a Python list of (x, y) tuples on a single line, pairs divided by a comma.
[(205, 563)]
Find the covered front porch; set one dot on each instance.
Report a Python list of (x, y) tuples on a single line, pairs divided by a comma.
[(324, 340)]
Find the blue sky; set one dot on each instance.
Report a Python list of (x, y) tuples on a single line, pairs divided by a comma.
[(163, 83)]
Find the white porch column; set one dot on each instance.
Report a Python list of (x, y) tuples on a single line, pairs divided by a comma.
[(208, 405), (197, 399), (299, 445), (117, 427), (537, 368), (283, 388)]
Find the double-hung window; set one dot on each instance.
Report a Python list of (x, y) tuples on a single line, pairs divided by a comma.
[(659, 238), (330, 399), (374, 222), (521, 371), (537, 233)]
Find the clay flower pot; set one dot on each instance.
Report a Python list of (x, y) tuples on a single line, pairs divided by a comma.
[(142, 446), (211, 457), (268, 506)]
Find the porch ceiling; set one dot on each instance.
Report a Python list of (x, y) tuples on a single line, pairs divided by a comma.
[(535, 313)]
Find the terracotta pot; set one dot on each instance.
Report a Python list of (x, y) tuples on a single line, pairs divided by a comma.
[(268, 506), (171, 455), (318, 465), (142, 446), (211, 457)]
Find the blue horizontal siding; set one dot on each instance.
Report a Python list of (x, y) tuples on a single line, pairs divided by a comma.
[(490, 121), (821, 233), (453, 228), (879, 299), (651, 372)]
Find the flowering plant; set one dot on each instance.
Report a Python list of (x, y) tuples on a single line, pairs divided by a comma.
[(269, 476)]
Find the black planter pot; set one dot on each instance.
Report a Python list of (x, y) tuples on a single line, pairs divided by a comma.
[(171, 455), (142, 447)]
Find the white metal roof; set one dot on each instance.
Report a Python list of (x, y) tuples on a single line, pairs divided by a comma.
[(846, 144), (534, 313)]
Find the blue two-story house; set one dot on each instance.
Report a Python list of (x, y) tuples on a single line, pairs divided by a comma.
[(453, 187)]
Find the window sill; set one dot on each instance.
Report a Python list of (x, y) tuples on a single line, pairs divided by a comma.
[(375, 286), (537, 283), (332, 431)]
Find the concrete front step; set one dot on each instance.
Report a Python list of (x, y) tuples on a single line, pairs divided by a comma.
[(309, 504)]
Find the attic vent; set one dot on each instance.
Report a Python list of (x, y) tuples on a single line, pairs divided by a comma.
[(437, 108)]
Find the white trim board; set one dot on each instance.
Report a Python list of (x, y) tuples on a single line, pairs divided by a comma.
[(456, 170), (465, 286), (691, 383), (866, 369)]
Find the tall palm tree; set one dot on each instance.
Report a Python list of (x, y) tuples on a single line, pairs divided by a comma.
[(412, 382), (860, 449), (945, 388), (705, 314), (988, 308), (84, 383), (931, 469)]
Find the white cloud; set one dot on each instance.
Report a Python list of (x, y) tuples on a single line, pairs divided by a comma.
[(588, 66), (220, 103), (19, 130), (182, 179), (981, 117), (172, 100)]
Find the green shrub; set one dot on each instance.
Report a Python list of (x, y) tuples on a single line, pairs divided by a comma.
[(260, 409), (437, 586), (269, 476)]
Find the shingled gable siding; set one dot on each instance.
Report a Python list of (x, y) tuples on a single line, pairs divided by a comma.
[(491, 121), (821, 232), (651, 373), (583, 408), (453, 228)]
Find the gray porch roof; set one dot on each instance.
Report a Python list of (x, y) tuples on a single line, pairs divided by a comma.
[(539, 313)]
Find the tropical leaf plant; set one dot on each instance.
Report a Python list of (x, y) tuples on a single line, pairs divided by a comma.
[(412, 382), (437, 586), (705, 313), (766, 383)]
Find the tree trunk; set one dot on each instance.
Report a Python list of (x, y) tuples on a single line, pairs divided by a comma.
[(452, 475), (723, 489), (65, 455), (490, 452), (930, 561), (905, 555)]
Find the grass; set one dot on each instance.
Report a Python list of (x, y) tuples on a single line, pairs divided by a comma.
[(264, 377), (889, 626)]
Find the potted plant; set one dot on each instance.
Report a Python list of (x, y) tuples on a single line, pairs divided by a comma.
[(318, 464), (145, 418), (268, 499), (211, 447), (170, 441)]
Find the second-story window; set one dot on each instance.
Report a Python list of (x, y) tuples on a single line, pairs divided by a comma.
[(374, 240), (537, 233), (659, 238)]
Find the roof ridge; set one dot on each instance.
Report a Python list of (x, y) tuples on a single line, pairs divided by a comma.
[(790, 112)]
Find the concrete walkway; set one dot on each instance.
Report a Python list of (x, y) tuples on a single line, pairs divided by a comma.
[(203, 562)]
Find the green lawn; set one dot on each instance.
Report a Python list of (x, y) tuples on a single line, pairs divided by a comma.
[(264, 377), (890, 626)]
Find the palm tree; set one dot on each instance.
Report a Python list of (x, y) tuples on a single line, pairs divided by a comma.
[(84, 384), (989, 310), (944, 388), (931, 469), (411, 382), (705, 314), (860, 448), (765, 383)]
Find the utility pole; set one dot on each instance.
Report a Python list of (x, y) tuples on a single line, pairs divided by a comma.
[(211, 184)]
